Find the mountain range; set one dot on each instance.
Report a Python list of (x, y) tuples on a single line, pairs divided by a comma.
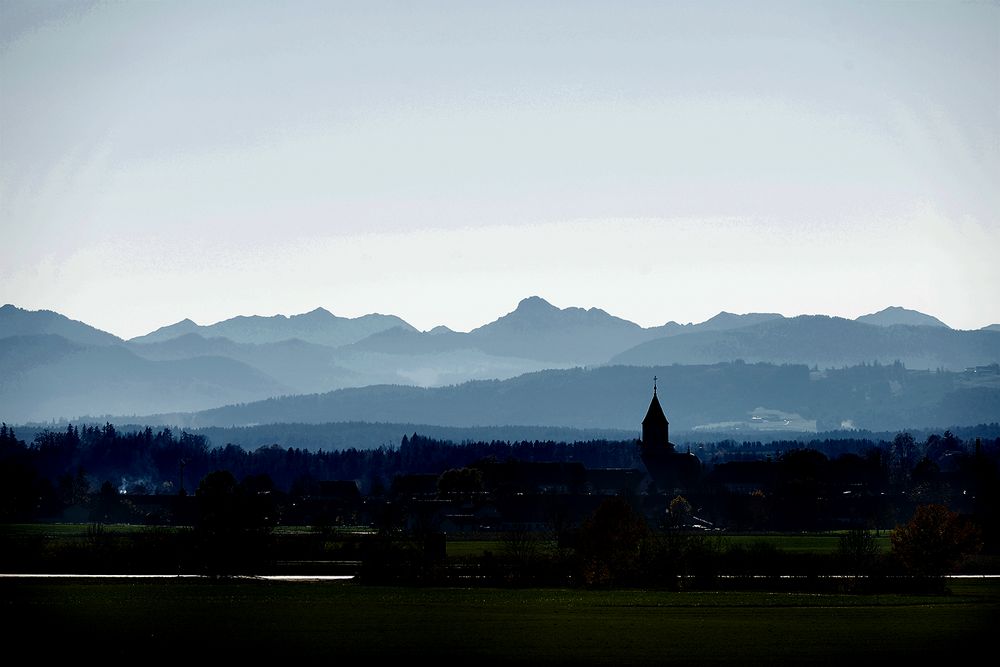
[(318, 326), (53, 367)]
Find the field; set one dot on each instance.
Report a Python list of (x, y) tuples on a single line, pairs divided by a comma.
[(182, 619), (818, 543), (803, 543)]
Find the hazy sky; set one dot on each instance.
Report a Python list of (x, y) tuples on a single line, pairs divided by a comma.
[(440, 161)]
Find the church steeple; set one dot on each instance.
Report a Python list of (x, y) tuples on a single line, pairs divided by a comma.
[(655, 427), (667, 469)]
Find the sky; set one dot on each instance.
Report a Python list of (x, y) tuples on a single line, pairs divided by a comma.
[(441, 161)]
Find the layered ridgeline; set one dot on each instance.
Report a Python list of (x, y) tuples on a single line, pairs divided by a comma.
[(318, 326), (53, 367), (728, 398), (825, 342)]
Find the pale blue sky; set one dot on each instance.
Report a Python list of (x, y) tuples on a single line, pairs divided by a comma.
[(440, 161)]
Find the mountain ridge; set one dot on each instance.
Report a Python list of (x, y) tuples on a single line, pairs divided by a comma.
[(824, 341), (533, 309), (16, 321), (318, 326), (533, 337)]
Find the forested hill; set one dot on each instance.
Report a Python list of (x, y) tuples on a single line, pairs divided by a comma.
[(726, 396)]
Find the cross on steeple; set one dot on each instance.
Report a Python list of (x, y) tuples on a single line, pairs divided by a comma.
[(654, 385)]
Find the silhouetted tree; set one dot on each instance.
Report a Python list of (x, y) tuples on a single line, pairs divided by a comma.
[(902, 457), (611, 544), (9, 442), (679, 512), (857, 551), (23, 492), (933, 541)]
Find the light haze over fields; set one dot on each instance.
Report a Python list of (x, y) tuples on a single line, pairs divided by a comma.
[(440, 161)]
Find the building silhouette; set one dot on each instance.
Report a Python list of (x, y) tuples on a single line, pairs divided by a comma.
[(669, 470), (655, 427)]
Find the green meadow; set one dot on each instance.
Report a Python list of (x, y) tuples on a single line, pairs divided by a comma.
[(795, 543), (185, 619)]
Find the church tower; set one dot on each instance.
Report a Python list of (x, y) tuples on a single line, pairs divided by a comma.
[(671, 472), (655, 427)]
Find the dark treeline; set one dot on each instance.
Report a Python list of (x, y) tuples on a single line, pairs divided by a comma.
[(805, 489), (59, 468)]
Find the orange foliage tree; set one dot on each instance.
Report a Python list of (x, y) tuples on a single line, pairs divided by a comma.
[(934, 540)]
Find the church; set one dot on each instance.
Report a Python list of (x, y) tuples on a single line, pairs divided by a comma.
[(669, 470)]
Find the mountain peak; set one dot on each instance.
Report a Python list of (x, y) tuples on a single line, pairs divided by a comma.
[(169, 331), (892, 315), (317, 312), (535, 304)]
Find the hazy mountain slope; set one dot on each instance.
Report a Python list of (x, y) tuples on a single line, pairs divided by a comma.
[(433, 358), (726, 321), (300, 366), (722, 322), (437, 369), (19, 354), (15, 321), (307, 368), (318, 326), (53, 378), (186, 346), (897, 315), (399, 340), (610, 397), (824, 341), (616, 397)]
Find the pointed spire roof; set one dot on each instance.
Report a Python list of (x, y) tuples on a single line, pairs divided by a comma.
[(655, 412)]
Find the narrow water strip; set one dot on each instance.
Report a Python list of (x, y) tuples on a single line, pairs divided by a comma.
[(270, 577)]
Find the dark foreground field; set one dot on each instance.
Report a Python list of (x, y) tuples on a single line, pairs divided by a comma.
[(180, 620)]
